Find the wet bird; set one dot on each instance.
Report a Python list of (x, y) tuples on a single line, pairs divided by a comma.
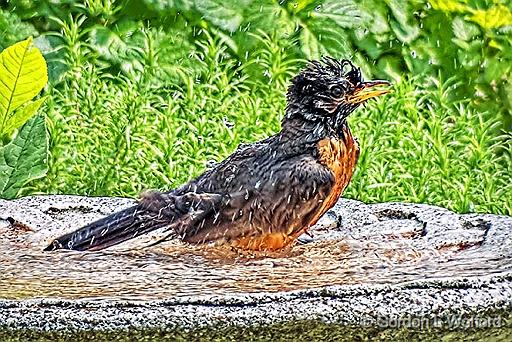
[(265, 194)]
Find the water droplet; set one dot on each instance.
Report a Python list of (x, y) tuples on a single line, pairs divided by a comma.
[(227, 123), (209, 164)]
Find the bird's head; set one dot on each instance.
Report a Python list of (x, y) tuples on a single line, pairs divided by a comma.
[(329, 90)]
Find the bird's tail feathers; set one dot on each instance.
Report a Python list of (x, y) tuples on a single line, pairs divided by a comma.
[(155, 210), (109, 231)]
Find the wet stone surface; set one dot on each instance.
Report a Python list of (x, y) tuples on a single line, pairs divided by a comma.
[(363, 264)]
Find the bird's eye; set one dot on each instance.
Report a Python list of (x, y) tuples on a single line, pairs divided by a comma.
[(336, 91)]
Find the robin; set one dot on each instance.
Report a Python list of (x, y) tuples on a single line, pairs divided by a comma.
[(266, 194)]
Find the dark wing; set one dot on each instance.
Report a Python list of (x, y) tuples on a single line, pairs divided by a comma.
[(277, 196), (262, 195), (230, 175)]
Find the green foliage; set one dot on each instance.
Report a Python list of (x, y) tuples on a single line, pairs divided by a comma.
[(155, 89), (482, 32), (120, 136), (171, 131), (12, 29), (22, 76), (419, 147), (413, 36), (24, 158)]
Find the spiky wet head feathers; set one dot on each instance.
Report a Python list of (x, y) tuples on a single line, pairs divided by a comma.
[(330, 69), (319, 90)]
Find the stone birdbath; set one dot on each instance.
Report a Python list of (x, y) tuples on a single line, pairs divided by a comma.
[(389, 270)]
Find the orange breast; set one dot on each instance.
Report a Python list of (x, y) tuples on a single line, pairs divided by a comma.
[(267, 242), (339, 156)]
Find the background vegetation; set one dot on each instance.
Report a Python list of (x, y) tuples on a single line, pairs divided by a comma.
[(23, 148), (147, 93)]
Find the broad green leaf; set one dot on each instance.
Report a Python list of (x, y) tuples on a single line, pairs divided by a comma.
[(400, 11), (21, 115), (379, 25), (368, 44), (324, 37), (496, 69), (223, 14), (167, 5), (468, 56), (310, 44), (403, 30), (464, 30), (12, 29), (107, 43), (24, 158), (268, 14), (117, 48), (23, 74), (345, 13)]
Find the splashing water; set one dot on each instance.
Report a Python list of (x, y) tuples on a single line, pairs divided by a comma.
[(369, 254)]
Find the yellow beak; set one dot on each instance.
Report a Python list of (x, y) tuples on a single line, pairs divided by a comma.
[(365, 91)]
